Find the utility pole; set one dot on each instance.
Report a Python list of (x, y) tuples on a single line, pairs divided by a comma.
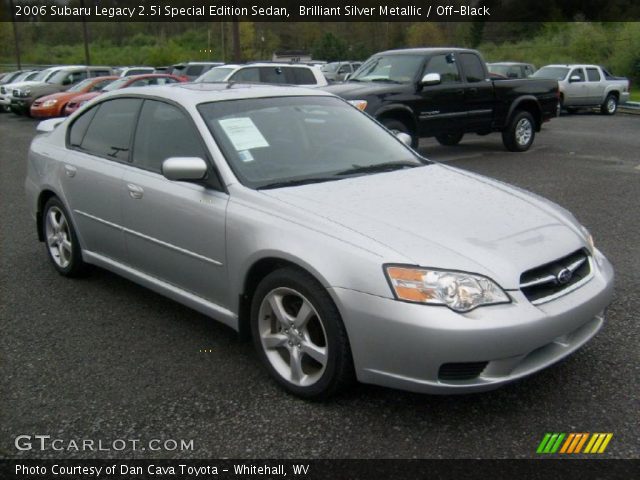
[(236, 38), (15, 35), (85, 33)]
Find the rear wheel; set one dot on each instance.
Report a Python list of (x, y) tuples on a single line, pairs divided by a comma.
[(299, 335), (396, 126), (449, 139), (610, 105), (519, 134), (61, 241)]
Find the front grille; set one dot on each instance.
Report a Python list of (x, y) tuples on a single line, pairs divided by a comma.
[(461, 371), (552, 279)]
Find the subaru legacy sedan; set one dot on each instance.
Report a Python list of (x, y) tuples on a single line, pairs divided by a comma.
[(294, 218)]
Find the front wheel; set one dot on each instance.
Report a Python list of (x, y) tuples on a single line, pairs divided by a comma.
[(610, 105), (61, 241), (299, 335), (396, 126), (519, 134), (449, 139)]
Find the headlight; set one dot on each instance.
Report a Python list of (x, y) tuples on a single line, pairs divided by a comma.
[(49, 103), (25, 93), (459, 291), (589, 238), (359, 104)]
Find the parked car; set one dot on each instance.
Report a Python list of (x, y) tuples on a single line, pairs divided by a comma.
[(122, 82), (290, 215), (11, 77), (6, 88), (447, 92), (191, 70), (6, 91), (338, 71), (267, 72), (511, 69), (129, 71), (587, 86), (63, 79), (54, 105)]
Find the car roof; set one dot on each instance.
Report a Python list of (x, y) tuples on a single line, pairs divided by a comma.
[(196, 93), (424, 51), (571, 65), (509, 63)]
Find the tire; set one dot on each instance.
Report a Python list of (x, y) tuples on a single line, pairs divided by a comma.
[(299, 335), (520, 133), (449, 139), (61, 241), (398, 126), (610, 105)]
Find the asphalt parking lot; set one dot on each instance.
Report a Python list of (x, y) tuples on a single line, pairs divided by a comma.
[(102, 358)]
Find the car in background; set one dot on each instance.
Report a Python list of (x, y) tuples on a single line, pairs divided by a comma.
[(338, 71), (6, 91), (54, 105), (511, 69), (266, 72), (586, 86), (129, 71), (11, 77), (63, 79), (294, 218), (191, 70), (148, 79)]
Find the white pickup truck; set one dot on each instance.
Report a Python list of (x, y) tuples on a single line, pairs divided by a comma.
[(587, 86)]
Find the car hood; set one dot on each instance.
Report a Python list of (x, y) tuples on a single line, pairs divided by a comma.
[(354, 90), (441, 217), (28, 83)]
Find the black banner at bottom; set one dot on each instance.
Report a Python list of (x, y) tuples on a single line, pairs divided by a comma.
[(548, 469)]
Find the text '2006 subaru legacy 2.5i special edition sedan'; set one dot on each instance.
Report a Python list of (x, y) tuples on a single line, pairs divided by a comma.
[(291, 216)]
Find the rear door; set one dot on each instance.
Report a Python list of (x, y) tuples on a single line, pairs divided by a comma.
[(478, 95), (174, 231), (595, 86)]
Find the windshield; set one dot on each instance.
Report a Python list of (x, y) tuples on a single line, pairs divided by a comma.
[(216, 74), (43, 75), (270, 142), (330, 67), (389, 68), (78, 87), (552, 73), (23, 76), (116, 84)]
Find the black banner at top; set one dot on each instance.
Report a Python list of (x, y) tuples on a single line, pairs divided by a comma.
[(319, 10)]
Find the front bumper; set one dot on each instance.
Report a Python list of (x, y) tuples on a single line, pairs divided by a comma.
[(404, 345), (45, 112), (21, 105)]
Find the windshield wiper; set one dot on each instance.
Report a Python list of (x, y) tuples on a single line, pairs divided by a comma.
[(385, 80), (379, 167), (299, 181)]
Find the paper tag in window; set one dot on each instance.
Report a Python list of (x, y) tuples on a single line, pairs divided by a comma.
[(243, 133)]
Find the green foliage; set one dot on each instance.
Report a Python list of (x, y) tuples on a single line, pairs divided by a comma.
[(330, 48)]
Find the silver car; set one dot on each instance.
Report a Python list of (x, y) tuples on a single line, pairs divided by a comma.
[(292, 217)]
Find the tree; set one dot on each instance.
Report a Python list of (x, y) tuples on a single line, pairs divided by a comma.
[(330, 48)]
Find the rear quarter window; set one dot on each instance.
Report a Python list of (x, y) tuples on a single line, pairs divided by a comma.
[(301, 76)]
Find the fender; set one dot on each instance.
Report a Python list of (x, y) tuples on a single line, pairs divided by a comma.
[(517, 102), (396, 107)]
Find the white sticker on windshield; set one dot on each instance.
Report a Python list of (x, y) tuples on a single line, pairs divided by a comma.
[(243, 133)]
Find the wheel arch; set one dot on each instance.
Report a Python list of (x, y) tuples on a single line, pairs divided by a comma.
[(527, 103), (398, 112), (43, 198)]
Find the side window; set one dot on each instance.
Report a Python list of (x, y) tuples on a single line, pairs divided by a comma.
[(577, 72), (246, 75), (99, 73), (165, 80), (593, 74), (272, 75), (344, 69), (528, 70), (164, 131), (194, 70), (109, 133), (79, 127), (300, 76), (473, 70), (143, 82), (446, 66)]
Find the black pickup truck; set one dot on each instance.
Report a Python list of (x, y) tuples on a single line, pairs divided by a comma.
[(447, 92)]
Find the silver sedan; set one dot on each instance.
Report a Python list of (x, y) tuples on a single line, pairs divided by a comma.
[(294, 218)]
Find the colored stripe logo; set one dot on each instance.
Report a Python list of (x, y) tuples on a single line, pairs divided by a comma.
[(572, 443)]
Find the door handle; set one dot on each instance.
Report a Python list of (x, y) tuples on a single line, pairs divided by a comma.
[(135, 191), (473, 90), (70, 170)]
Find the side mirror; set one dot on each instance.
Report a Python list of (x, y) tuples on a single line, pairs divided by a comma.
[(184, 168), (431, 79), (47, 126), (575, 78), (404, 138)]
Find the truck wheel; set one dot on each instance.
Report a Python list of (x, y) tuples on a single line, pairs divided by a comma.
[(519, 134), (449, 139), (396, 126), (610, 105)]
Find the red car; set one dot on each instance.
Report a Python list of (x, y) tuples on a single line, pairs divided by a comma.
[(53, 105), (123, 82)]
